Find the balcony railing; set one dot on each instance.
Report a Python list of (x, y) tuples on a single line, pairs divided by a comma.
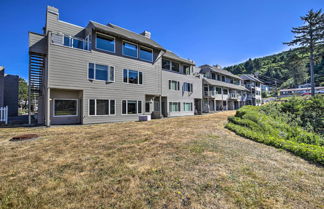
[(72, 42)]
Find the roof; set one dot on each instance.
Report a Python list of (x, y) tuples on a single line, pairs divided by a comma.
[(217, 69), (302, 89), (250, 77), (171, 55), (127, 34), (223, 84)]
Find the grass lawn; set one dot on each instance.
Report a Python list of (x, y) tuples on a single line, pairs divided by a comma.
[(187, 162)]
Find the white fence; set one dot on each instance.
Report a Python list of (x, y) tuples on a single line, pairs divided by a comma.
[(4, 114)]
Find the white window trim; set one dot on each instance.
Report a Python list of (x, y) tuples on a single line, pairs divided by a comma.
[(127, 106), (178, 82), (137, 50), (108, 37), (94, 75), (60, 116), (146, 49), (138, 81), (95, 115)]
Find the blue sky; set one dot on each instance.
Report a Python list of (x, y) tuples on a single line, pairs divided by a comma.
[(206, 31)]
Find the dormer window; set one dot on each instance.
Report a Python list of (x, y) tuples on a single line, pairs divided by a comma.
[(105, 43), (130, 49), (146, 54)]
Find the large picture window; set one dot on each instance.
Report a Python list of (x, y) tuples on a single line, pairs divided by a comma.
[(130, 49), (131, 107), (65, 107), (101, 107), (101, 72), (105, 43), (132, 76), (146, 54)]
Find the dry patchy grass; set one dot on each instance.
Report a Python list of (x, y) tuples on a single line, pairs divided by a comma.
[(188, 162)]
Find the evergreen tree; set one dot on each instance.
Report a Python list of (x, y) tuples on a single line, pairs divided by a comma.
[(296, 65), (310, 36)]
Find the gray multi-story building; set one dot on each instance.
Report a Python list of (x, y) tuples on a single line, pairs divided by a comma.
[(9, 92), (105, 73), (222, 90), (253, 84)]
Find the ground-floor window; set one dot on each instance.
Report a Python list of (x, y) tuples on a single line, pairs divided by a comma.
[(102, 107), (187, 106), (131, 107), (65, 107), (174, 106)]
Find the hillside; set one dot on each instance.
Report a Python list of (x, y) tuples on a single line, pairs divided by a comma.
[(288, 68)]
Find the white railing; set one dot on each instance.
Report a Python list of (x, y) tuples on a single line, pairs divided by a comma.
[(72, 42), (4, 114)]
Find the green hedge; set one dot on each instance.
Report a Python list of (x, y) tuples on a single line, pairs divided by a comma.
[(254, 124)]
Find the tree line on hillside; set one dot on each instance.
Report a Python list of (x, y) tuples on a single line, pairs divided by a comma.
[(296, 66)]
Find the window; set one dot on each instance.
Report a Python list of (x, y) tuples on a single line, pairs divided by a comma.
[(105, 43), (132, 76), (218, 90), (225, 91), (65, 107), (166, 64), (175, 67), (186, 70), (223, 78), (174, 106), (213, 76), (146, 54), (129, 49), (101, 72), (69, 41), (188, 87), (101, 107), (187, 107), (218, 77), (131, 107), (174, 85)]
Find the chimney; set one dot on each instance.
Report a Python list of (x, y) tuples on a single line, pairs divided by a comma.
[(147, 34)]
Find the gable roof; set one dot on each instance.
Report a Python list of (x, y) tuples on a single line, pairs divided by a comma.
[(127, 34), (250, 77), (171, 55), (206, 68)]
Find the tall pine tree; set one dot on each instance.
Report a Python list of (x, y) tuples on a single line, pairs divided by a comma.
[(309, 36)]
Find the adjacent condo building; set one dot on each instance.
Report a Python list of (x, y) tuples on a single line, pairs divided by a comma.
[(104, 73)]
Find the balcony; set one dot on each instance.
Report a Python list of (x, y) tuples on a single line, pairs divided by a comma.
[(71, 42)]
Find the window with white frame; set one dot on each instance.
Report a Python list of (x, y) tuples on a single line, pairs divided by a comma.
[(131, 107), (71, 41), (186, 69), (102, 107), (101, 72), (174, 106), (187, 87), (132, 76), (65, 107), (187, 106), (105, 42), (225, 91), (146, 54), (130, 50), (175, 67), (174, 85)]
